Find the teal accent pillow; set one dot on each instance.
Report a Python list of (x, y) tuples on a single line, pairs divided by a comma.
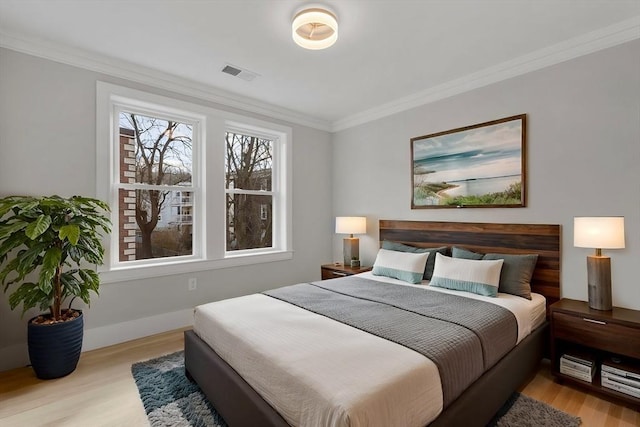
[(405, 266), (515, 277), (477, 276), (428, 270)]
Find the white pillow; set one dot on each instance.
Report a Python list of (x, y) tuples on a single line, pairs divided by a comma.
[(405, 266), (481, 277)]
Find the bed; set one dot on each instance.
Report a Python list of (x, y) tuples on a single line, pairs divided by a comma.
[(240, 404)]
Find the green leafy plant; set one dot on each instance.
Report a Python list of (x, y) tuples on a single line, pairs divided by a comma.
[(55, 238)]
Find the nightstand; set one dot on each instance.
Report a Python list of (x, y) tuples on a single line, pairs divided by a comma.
[(608, 337), (332, 271)]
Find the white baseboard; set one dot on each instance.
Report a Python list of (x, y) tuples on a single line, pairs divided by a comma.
[(17, 355), (133, 329)]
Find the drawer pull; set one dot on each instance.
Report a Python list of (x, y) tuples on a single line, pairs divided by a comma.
[(337, 273), (594, 321)]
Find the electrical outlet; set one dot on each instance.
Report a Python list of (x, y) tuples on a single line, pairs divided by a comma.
[(193, 284)]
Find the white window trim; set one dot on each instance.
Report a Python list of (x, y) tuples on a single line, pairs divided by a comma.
[(277, 179), (212, 253)]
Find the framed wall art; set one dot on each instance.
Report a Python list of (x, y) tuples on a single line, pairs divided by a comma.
[(478, 166)]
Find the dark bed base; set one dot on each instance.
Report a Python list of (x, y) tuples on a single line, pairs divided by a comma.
[(238, 403), (241, 406)]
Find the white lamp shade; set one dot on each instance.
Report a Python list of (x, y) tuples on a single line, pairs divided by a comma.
[(600, 232), (351, 225)]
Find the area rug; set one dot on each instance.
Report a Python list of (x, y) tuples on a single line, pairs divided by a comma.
[(523, 411), (170, 399)]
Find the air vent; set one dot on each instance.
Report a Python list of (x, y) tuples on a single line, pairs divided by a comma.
[(241, 73), (231, 70)]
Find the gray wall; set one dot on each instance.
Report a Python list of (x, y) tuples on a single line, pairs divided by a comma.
[(47, 146), (583, 159)]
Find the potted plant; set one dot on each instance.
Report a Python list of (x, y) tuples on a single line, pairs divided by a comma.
[(46, 245)]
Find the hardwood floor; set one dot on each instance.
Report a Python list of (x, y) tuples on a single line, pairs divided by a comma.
[(101, 392)]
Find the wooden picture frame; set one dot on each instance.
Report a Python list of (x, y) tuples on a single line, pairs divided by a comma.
[(479, 166)]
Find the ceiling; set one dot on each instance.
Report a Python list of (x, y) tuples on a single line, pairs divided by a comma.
[(389, 53)]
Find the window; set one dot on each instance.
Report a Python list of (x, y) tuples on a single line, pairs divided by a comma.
[(249, 179), (156, 156), (155, 167)]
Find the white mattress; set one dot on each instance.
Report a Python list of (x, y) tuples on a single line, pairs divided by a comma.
[(318, 372)]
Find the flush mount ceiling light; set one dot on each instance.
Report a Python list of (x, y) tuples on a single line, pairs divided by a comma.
[(314, 28)]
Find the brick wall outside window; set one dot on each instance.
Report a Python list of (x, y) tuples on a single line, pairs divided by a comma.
[(127, 198)]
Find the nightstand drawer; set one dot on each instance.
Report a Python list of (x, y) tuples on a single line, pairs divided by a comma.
[(601, 334), (334, 271), (332, 274)]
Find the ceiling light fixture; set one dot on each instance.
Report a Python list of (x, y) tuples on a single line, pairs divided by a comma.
[(314, 28)]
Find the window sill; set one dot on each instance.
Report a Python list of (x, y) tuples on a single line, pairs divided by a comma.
[(125, 274)]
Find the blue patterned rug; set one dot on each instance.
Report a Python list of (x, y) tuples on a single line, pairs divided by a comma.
[(170, 399)]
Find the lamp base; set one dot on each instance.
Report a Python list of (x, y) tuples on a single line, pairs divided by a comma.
[(351, 249), (599, 281)]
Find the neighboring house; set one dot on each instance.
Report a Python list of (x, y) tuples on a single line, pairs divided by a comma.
[(180, 210)]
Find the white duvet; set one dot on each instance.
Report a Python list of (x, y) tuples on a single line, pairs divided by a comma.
[(318, 372)]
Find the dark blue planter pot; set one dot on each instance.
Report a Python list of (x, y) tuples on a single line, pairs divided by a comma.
[(54, 350)]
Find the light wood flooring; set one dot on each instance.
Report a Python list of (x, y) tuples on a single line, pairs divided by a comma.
[(101, 392)]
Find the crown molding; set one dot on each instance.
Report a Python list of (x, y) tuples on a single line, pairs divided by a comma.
[(148, 76), (594, 41)]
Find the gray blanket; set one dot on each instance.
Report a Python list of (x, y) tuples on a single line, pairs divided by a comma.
[(463, 337)]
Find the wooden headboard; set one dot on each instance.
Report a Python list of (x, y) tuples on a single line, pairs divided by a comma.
[(542, 239)]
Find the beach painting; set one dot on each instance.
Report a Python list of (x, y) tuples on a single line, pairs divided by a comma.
[(481, 165)]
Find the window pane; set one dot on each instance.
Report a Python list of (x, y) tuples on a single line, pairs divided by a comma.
[(155, 224), (249, 161), (249, 222), (154, 151)]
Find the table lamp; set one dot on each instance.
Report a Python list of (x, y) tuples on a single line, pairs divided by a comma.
[(599, 233), (351, 225)]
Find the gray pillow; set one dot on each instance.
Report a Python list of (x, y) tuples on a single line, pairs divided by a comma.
[(515, 277), (457, 252), (431, 261)]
